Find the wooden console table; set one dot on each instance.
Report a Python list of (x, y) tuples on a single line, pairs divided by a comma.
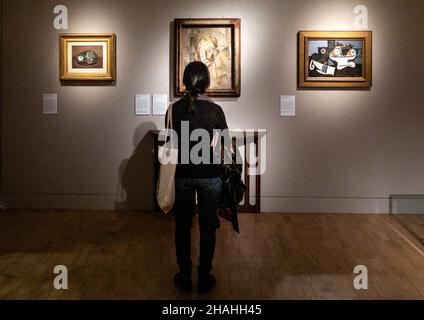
[(252, 201)]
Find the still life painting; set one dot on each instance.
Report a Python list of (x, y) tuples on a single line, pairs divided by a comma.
[(216, 43), (87, 57), (335, 59)]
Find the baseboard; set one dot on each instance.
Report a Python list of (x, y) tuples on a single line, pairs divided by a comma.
[(145, 203), (77, 202), (407, 204), (325, 205)]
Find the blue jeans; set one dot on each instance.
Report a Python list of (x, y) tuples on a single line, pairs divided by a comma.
[(208, 196)]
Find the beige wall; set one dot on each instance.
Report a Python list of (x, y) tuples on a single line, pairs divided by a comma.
[(1, 95), (346, 151)]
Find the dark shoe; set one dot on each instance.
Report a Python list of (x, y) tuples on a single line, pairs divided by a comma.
[(205, 284), (183, 281)]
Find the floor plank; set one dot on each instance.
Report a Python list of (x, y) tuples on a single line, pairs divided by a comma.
[(276, 256)]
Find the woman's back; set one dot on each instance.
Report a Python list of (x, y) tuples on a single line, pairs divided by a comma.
[(209, 117)]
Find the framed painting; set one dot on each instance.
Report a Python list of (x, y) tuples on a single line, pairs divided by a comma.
[(216, 43), (87, 57), (335, 59)]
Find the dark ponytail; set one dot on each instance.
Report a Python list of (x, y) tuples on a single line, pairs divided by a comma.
[(196, 80)]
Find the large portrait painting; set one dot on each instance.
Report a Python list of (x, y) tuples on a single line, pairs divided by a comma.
[(335, 59), (216, 43), (87, 57)]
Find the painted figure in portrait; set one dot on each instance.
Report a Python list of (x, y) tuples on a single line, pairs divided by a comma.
[(212, 46)]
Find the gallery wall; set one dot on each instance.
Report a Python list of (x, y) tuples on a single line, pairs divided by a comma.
[(1, 95), (345, 151)]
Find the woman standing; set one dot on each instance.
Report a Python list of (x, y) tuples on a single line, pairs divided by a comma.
[(196, 111)]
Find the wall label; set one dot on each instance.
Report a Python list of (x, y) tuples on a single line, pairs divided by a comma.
[(160, 104), (143, 105), (287, 106), (50, 103)]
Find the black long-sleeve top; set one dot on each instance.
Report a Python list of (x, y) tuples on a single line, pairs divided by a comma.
[(208, 116)]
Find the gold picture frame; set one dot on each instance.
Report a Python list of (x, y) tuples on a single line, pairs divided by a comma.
[(335, 59), (216, 42), (89, 57)]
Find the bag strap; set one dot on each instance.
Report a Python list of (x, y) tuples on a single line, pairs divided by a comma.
[(169, 120), (231, 153)]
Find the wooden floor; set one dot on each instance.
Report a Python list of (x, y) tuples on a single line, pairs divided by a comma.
[(277, 256), (414, 223)]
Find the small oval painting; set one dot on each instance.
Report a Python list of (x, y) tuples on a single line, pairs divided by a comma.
[(87, 57)]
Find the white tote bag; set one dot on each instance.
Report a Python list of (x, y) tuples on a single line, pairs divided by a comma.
[(168, 157)]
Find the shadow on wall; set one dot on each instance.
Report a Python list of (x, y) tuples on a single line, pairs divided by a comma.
[(136, 174)]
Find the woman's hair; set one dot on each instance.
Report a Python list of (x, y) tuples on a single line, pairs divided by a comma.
[(197, 80)]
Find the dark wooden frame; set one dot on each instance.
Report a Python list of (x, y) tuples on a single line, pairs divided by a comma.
[(339, 82), (235, 25)]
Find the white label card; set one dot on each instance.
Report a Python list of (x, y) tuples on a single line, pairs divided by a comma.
[(143, 105), (160, 104), (50, 103), (288, 106)]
